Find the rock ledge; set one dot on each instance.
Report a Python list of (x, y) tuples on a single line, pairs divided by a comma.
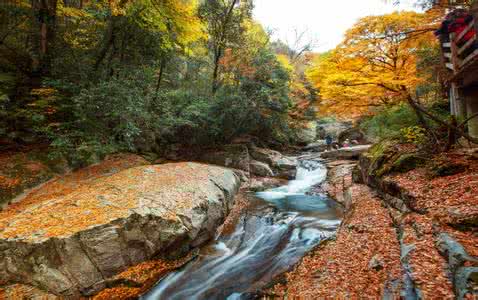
[(70, 244)]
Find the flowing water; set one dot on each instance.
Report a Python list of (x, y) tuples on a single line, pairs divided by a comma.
[(275, 232)]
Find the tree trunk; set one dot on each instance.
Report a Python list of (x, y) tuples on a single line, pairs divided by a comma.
[(44, 16), (220, 45), (452, 133), (160, 75), (215, 74), (420, 117), (108, 40), (458, 129)]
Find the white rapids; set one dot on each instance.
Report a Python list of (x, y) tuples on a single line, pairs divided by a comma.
[(275, 232)]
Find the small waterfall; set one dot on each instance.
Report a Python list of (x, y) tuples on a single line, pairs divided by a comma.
[(309, 173), (280, 226)]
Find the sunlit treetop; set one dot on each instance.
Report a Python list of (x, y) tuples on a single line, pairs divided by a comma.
[(376, 64)]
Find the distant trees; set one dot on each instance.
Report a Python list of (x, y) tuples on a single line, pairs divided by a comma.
[(94, 77)]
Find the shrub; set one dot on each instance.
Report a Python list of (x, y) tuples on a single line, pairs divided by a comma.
[(413, 134), (106, 117), (389, 122)]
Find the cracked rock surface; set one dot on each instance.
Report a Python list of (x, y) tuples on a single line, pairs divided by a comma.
[(71, 243)]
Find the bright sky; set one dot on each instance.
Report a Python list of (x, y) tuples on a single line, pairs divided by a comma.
[(325, 20)]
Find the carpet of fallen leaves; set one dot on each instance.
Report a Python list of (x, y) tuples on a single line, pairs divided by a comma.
[(39, 205), (19, 172), (101, 200), (449, 199), (363, 260), (343, 268), (448, 203), (24, 292), (145, 274), (428, 267)]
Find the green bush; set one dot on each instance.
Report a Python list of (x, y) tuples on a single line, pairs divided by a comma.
[(389, 122), (125, 113)]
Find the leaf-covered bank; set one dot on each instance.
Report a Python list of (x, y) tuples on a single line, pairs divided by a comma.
[(415, 236)]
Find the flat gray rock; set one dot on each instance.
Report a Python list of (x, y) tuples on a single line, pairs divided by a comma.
[(346, 153)]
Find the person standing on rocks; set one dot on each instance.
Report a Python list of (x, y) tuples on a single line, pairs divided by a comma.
[(328, 141), (346, 143)]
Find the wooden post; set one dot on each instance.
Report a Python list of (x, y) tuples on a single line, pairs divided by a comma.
[(472, 109), (457, 102), (452, 97), (460, 105), (472, 96), (454, 54), (474, 12)]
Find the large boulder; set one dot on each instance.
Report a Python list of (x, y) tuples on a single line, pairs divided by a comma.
[(68, 242), (286, 168), (286, 163), (307, 134), (253, 160), (352, 134), (268, 156), (260, 169), (282, 166), (235, 156)]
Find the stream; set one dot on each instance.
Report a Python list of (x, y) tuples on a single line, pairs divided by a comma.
[(275, 232)]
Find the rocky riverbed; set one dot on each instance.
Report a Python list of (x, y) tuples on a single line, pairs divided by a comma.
[(409, 228), (408, 231)]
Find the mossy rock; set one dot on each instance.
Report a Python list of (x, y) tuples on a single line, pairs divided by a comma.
[(385, 157), (407, 162), (379, 156), (442, 169)]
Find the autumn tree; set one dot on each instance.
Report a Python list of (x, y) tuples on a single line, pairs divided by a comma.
[(376, 64), (225, 25)]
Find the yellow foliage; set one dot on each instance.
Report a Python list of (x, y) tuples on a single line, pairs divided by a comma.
[(414, 134), (285, 62), (177, 18), (374, 65)]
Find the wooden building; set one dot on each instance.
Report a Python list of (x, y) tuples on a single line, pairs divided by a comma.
[(460, 55)]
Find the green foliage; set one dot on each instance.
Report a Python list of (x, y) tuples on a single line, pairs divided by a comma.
[(389, 122), (413, 134), (126, 114), (137, 75), (259, 104), (105, 117), (400, 122)]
